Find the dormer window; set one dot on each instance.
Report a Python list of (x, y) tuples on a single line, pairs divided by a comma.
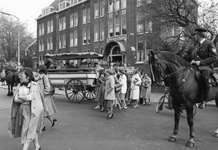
[(63, 5), (74, 2), (47, 10)]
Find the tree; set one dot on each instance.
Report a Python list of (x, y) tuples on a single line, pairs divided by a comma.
[(9, 38), (181, 17)]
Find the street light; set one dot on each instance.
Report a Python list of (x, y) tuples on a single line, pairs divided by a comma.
[(18, 37)]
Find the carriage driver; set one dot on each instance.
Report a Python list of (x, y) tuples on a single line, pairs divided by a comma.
[(204, 57)]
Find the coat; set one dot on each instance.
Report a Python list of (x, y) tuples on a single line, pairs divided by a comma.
[(135, 90), (37, 112), (206, 54), (123, 82), (146, 88), (109, 88)]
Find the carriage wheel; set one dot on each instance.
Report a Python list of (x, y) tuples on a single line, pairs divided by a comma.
[(159, 106), (74, 91), (183, 111), (90, 92)]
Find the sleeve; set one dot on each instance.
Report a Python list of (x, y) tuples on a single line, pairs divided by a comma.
[(46, 84), (212, 55)]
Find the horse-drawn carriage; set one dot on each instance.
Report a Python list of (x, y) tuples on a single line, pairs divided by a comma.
[(79, 82)]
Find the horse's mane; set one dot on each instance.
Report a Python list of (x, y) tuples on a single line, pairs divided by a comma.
[(172, 57)]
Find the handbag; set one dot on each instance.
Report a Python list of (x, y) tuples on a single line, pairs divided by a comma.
[(51, 90), (117, 87)]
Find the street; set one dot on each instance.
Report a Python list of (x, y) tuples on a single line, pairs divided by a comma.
[(80, 127)]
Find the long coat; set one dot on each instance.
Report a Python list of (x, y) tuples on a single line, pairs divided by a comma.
[(146, 88), (36, 117), (123, 82), (206, 54), (109, 88), (135, 90)]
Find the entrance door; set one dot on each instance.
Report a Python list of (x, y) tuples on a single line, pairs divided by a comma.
[(115, 55)]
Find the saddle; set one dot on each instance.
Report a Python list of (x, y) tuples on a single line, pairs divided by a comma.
[(213, 78)]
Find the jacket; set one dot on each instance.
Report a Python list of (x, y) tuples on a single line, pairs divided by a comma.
[(206, 54), (109, 88)]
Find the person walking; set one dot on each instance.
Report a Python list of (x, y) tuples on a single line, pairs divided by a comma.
[(135, 89), (100, 91), (146, 90), (109, 92), (123, 83), (27, 111), (45, 87)]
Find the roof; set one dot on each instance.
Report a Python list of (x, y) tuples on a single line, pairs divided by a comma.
[(73, 56)]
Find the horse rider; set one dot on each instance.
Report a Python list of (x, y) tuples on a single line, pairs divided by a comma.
[(204, 57)]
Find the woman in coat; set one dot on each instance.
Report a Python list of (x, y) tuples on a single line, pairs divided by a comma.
[(45, 86), (123, 83), (135, 89), (109, 92), (146, 90), (27, 110)]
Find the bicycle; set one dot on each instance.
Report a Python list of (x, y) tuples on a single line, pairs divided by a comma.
[(165, 97)]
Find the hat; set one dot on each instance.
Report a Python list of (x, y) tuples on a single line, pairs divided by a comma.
[(201, 30), (110, 71), (122, 71)]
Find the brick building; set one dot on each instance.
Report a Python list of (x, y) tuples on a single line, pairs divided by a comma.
[(110, 27)]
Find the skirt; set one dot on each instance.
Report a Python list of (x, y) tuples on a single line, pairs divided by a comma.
[(50, 105)]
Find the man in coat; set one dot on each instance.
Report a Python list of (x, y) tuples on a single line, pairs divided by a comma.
[(204, 57)]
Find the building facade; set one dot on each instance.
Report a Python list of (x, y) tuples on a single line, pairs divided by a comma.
[(109, 27)]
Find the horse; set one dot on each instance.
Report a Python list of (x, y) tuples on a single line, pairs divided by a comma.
[(183, 80), (12, 79)]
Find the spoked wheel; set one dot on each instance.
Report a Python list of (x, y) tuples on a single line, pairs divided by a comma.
[(159, 106), (183, 111), (90, 92), (74, 91)]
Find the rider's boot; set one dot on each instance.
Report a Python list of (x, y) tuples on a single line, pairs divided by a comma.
[(205, 91)]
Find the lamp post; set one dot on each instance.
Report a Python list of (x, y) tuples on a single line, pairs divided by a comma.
[(18, 37)]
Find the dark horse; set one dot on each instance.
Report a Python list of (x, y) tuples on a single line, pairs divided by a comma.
[(11, 78), (183, 86)]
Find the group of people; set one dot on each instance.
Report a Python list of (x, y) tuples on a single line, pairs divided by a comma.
[(32, 103), (116, 87)]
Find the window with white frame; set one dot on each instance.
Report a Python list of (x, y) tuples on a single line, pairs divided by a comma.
[(62, 41), (71, 39), (75, 38), (84, 16), (102, 5), (41, 29), (63, 5), (62, 23), (148, 26), (49, 43), (101, 31), (49, 26), (88, 35), (140, 26), (96, 50), (96, 11), (110, 6), (117, 26), (111, 28), (123, 26), (88, 15), (123, 4), (75, 19), (140, 51), (117, 5), (71, 20), (96, 32), (41, 45), (84, 36)]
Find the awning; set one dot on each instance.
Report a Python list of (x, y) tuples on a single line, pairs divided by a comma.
[(111, 44)]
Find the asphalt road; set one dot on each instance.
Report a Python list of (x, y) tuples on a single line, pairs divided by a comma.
[(80, 127)]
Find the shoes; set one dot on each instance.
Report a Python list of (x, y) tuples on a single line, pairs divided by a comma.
[(53, 122), (167, 107), (202, 106), (97, 107), (102, 109), (109, 117), (43, 129)]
